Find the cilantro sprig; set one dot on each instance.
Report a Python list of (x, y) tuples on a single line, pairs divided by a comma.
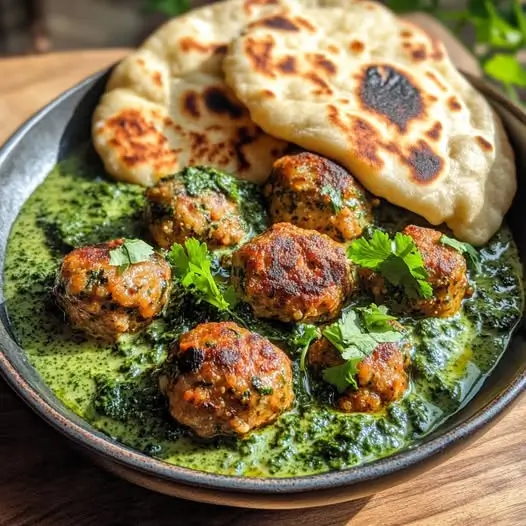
[(398, 260), (304, 334), (467, 250), (356, 335), (130, 252), (192, 267)]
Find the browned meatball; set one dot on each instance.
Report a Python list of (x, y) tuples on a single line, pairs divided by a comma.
[(313, 192), (106, 301), (230, 380), (174, 215), (381, 377), (447, 275), (292, 274)]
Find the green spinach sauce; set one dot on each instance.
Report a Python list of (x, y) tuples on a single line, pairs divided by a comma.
[(115, 388)]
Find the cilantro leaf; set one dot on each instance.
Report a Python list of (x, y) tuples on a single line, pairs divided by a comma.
[(130, 252), (371, 253), (342, 376), (303, 335), (376, 318), (193, 269), (465, 249), (399, 261), (356, 339)]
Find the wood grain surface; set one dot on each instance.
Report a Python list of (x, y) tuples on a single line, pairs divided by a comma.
[(43, 481)]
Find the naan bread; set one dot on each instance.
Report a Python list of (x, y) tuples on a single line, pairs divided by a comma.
[(382, 98), (166, 106)]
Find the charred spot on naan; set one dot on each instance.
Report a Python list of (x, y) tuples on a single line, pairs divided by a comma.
[(157, 78), (137, 141), (190, 104), (212, 100), (484, 144), (283, 22), (287, 65), (357, 46), (218, 100), (259, 54), (392, 94), (454, 104), (435, 131), (322, 63), (190, 44), (321, 86), (431, 76), (363, 137), (280, 22), (425, 164)]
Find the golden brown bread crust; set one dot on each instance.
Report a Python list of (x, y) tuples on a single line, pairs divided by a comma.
[(447, 275), (104, 301), (381, 98), (174, 216), (382, 377), (292, 274), (313, 192), (230, 380)]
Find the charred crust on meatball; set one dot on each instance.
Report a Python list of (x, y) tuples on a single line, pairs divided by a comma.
[(382, 377), (293, 274), (104, 301), (229, 380)]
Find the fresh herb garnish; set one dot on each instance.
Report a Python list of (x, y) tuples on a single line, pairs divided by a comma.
[(465, 249), (192, 267), (376, 318), (356, 335), (130, 252), (399, 261), (302, 337)]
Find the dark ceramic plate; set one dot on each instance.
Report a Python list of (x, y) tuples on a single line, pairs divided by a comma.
[(27, 158)]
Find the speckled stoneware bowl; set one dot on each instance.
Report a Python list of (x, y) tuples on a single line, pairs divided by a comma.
[(24, 162)]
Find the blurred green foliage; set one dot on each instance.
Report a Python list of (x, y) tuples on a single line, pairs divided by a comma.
[(167, 7)]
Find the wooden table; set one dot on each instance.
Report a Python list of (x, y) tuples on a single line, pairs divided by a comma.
[(43, 481)]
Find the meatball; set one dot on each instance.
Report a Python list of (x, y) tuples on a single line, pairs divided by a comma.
[(447, 275), (106, 301), (230, 380), (381, 377), (292, 274), (174, 215), (313, 192)]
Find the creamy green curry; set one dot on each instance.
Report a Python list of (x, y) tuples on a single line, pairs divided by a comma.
[(115, 387)]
